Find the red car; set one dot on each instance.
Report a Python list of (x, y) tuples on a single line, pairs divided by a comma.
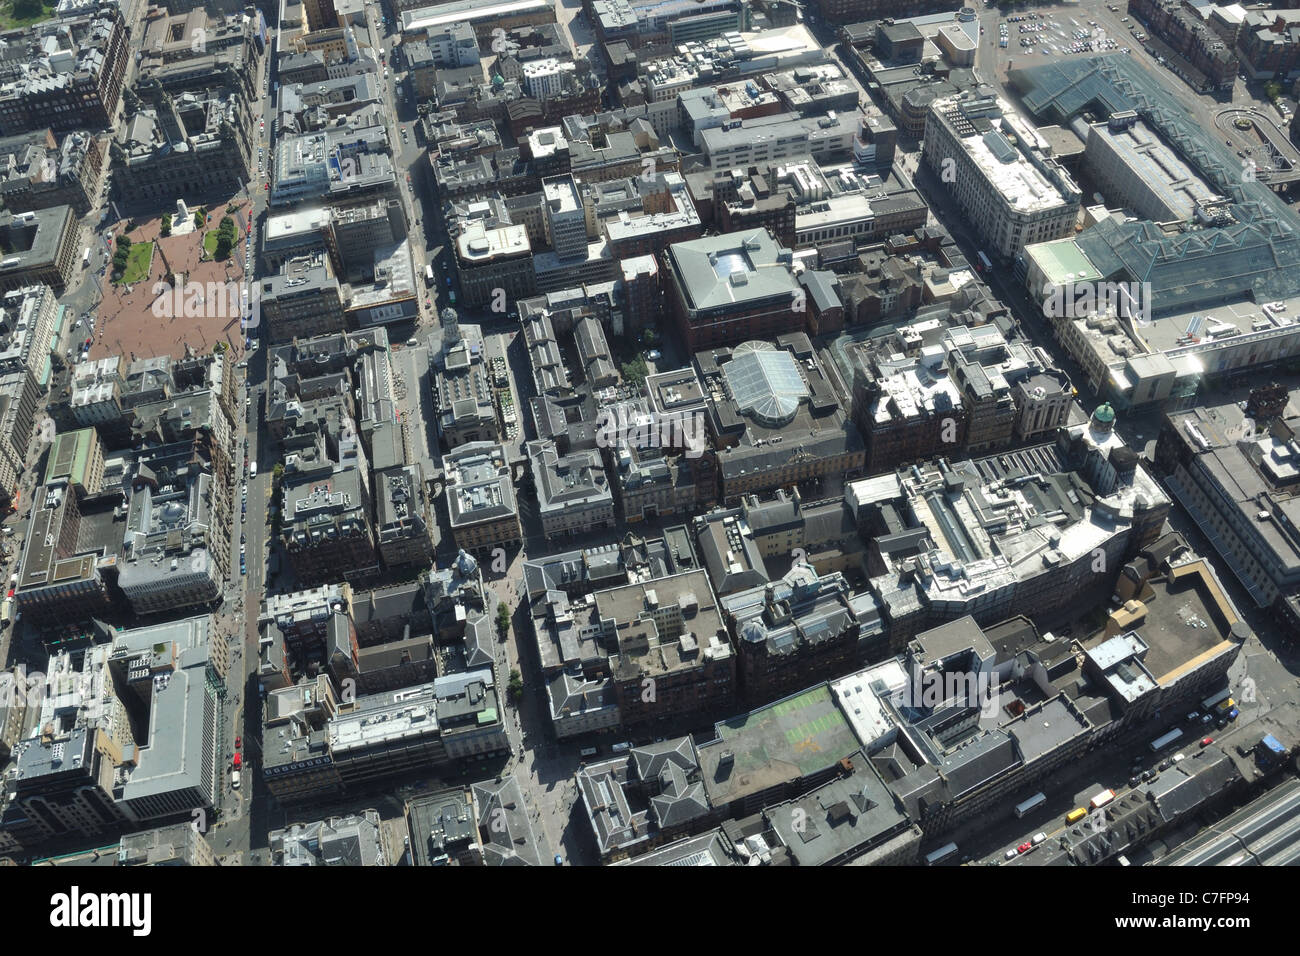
[(237, 761), (1206, 741), (239, 742), (1024, 847)]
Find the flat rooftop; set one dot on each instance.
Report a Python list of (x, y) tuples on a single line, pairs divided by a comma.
[(784, 741)]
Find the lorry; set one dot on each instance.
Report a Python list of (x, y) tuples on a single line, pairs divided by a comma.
[(1101, 799)]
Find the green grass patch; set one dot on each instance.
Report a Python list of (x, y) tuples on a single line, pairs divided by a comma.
[(210, 244), (138, 261)]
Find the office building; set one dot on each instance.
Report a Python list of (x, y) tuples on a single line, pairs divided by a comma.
[(1000, 171)]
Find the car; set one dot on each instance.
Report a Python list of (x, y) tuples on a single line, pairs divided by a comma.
[(1039, 838), (1147, 774), (1025, 847), (242, 537), (1233, 714), (1206, 741), (1134, 780), (1166, 764), (1194, 716), (1207, 719), (1221, 722), (239, 741), (1011, 854), (654, 355)]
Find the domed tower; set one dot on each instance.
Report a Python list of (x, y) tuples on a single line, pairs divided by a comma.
[(1103, 419)]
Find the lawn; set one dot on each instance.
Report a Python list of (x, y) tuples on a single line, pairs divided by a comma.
[(210, 244), (138, 261)]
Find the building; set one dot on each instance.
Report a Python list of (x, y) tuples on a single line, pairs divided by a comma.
[(481, 501), (1236, 477), (1184, 28), (129, 733), (573, 491), (74, 75), (566, 228), (338, 162), (27, 317), (800, 628), (463, 397), (774, 417), (175, 550), (1134, 168), (403, 518), (450, 45), (354, 840), (39, 248), (231, 56), (190, 145), (728, 289), (417, 21), (37, 174), (781, 136), (303, 300), (326, 527), (180, 844), (668, 654), (940, 556), (492, 259), (1000, 171)]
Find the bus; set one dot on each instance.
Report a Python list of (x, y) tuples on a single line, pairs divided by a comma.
[(1037, 800), (1074, 816), (1215, 699), (941, 854), (1163, 741), (1101, 799)]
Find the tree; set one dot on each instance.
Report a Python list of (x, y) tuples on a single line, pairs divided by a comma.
[(198, 219), (503, 621), (166, 228), (121, 253), (635, 371), (225, 237), (515, 687), (277, 472)]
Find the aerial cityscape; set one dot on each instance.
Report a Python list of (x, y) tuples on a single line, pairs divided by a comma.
[(649, 433)]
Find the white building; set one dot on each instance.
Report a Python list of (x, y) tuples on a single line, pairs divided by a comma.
[(999, 171)]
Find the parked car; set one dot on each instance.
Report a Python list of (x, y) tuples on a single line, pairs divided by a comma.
[(1025, 847), (1206, 741)]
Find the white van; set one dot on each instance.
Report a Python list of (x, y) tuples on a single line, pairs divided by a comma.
[(234, 780)]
